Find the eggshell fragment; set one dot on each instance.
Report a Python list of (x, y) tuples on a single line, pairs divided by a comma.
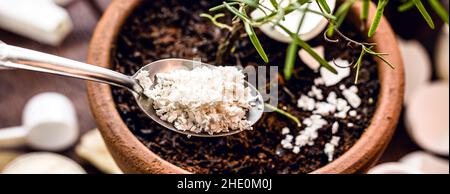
[(417, 66), (43, 163), (342, 68), (393, 168), (312, 63), (442, 56), (426, 163), (6, 157), (313, 24), (427, 117), (93, 149)]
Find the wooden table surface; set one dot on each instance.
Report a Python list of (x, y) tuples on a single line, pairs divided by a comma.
[(16, 86)]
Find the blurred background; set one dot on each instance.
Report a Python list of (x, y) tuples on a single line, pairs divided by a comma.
[(17, 87)]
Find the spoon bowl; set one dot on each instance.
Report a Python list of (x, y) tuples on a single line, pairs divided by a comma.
[(169, 65)]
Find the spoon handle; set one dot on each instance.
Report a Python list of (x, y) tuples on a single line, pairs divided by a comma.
[(20, 58)]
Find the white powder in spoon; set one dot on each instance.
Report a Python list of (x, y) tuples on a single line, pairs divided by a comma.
[(211, 100)]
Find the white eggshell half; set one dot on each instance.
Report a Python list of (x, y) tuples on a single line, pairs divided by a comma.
[(393, 168), (427, 117), (93, 149), (52, 122), (313, 24), (442, 50), (312, 63), (426, 163), (43, 163), (417, 66)]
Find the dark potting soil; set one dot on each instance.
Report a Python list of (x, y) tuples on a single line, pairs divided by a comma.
[(173, 28)]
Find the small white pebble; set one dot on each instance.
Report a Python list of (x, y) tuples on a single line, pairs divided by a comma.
[(324, 108), (342, 87), (289, 138), (330, 147), (296, 149), (335, 127), (352, 97), (352, 113), (353, 89), (287, 146), (332, 98), (306, 103), (285, 131), (350, 125), (341, 104), (316, 92), (307, 122), (319, 81)]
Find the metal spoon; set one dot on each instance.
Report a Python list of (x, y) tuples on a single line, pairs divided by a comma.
[(20, 58)]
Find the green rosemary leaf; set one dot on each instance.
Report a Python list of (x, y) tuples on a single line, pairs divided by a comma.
[(424, 13), (365, 10), (318, 58), (377, 19), (358, 64), (291, 55), (439, 9), (282, 112), (279, 16), (308, 49), (406, 6), (255, 41), (324, 5)]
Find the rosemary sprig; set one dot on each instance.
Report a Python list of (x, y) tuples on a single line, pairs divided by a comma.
[(277, 13)]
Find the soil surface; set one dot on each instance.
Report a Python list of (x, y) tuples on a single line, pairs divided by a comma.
[(173, 28)]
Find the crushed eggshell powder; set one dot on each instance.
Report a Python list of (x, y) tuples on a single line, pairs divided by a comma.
[(201, 100)]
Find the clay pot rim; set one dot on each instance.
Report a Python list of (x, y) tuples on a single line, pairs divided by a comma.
[(132, 156)]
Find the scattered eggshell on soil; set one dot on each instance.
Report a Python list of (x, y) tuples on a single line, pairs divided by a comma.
[(427, 117), (313, 24), (417, 66), (312, 63), (426, 163), (43, 163)]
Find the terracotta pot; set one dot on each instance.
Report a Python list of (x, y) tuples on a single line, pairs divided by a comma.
[(133, 157)]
